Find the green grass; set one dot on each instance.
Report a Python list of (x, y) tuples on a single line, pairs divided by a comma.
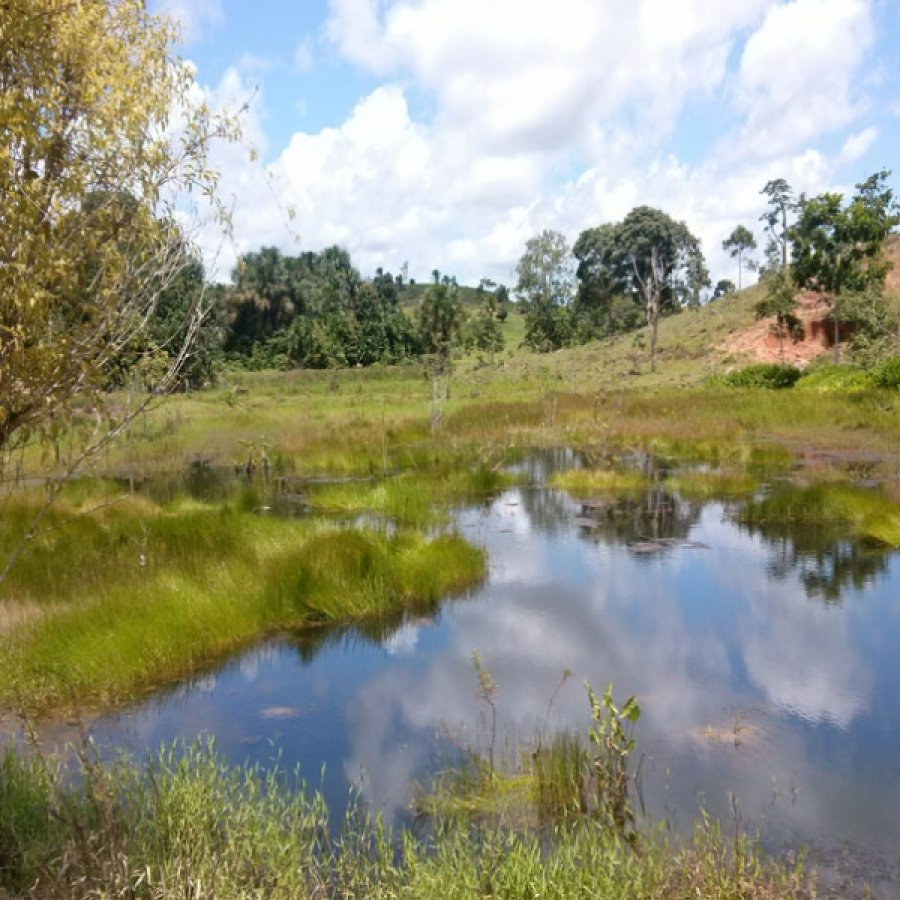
[(584, 483), (414, 498), (714, 484), (191, 826), (87, 622), (866, 513)]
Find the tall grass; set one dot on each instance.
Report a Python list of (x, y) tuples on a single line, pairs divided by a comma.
[(864, 512), (134, 593), (188, 825)]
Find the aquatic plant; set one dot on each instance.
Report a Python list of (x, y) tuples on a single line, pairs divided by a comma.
[(189, 825)]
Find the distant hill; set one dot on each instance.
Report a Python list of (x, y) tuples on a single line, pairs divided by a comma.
[(694, 344)]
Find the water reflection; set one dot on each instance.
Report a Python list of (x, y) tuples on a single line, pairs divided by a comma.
[(654, 517), (746, 687), (827, 562)]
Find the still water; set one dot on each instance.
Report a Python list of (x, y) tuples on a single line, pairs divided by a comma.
[(767, 665)]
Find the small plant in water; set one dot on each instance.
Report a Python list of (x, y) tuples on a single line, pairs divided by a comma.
[(612, 736)]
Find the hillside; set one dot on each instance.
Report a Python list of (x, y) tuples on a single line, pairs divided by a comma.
[(693, 344)]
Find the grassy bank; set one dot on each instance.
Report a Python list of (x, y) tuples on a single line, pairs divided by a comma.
[(116, 596), (190, 826), (859, 512)]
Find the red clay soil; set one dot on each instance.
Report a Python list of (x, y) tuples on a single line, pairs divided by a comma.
[(760, 343)]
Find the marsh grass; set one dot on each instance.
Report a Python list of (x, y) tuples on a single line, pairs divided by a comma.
[(583, 483), (712, 484), (189, 825), (419, 498), (863, 512), (132, 593)]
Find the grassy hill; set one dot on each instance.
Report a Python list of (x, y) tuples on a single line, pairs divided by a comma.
[(689, 351)]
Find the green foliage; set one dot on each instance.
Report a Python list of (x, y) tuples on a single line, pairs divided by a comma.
[(738, 243), (163, 589), (780, 301), (188, 825), (835, 379), (838, 247), (546, 284), (867, 513), (314, 310), (781, 205), (887, 373), (648, 256), (612, 736), (762, 375), (724, 286)]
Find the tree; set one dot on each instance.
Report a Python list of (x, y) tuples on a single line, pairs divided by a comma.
[(102, 143), (440, 321), (601, 275), (660, 253), (838, 247), (739, 242), (546, 285), (781, 204), (92, 172), (780, 301), (486, 334), (724, 286)]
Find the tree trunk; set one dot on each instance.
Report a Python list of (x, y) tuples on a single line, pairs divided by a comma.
[(835, 314)]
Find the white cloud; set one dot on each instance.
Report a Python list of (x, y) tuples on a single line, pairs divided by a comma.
[(196, 17), (563, 125), (797, 71), (857, 145)]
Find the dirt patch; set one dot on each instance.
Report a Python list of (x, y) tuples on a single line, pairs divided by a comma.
[(760, 342)]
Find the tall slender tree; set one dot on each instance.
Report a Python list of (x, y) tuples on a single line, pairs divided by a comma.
[(738, 243)]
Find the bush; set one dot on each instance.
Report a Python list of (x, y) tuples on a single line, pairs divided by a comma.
[(837, 379), (763, 375), (887, 373)]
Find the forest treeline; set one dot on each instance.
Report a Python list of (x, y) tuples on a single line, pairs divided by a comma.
[(315, 310)]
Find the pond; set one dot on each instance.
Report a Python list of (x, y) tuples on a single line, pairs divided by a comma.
[(765, 661)]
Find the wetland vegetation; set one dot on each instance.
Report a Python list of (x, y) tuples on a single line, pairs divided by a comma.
[(360, 481)]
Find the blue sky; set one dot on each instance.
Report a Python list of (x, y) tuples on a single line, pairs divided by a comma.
[(445, 133)]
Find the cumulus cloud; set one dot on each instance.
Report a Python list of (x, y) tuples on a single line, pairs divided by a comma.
[(797, 73), (196, 17), (532, 126)]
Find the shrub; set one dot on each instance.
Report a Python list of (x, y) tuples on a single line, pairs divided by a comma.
[(831, 378), (887, 373), (763, 375)]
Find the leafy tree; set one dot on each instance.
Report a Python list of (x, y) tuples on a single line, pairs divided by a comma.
[(780, 301), (696, 278), (440, 321), (838, 247), (601, 275), (93, 172), (546, 286), (86, 95), (485, 330), (782, 204), (663, 257), (739, 242), (502, 302), (724, 286)]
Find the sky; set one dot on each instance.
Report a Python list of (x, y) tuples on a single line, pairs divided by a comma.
[(445, 133)]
